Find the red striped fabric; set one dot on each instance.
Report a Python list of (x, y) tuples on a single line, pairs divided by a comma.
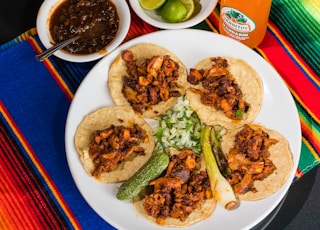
[(293, 70), (22, 181)]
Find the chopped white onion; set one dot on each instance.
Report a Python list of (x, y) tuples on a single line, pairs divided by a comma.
[(179, 127)]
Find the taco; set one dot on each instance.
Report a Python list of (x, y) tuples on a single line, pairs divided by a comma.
[(260, 160), (148, 78), (113, 143), (225, 91), (182, 196)]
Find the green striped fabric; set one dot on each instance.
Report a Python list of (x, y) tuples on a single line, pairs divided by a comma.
[(305, 35)]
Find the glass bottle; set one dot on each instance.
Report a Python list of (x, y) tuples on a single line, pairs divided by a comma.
[(244, 20)]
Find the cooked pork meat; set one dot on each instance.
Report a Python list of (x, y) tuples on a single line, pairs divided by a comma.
[(150, 82), (219, 89), (114, 144), (180, 191), (249, 159)]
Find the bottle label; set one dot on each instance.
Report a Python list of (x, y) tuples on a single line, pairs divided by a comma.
[(236, 24)]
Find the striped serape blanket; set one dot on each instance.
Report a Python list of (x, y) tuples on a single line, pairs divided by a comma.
[(36, 192)]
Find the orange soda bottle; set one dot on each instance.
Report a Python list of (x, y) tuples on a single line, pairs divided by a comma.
[(244, 20)]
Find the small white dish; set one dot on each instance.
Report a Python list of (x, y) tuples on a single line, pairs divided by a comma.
[(42, 24), (153, 17)]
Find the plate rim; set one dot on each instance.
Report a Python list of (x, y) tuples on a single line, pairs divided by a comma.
[(149, 37)]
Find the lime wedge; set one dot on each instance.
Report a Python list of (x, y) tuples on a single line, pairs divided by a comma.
[(173, 11), (189, 4), (151, 4), (197, 7)]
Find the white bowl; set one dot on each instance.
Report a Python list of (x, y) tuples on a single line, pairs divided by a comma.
[(42, 24), (153, 18)]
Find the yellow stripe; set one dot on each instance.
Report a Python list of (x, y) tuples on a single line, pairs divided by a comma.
[(313, 7), (310, 129), (61, 81), (313, 164), (39, 167), (211, 26), (26, 35), (313, 152), (296, 97), (54, 71), (289, 50)]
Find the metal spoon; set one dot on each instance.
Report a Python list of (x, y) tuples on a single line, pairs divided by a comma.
[(51, 50)]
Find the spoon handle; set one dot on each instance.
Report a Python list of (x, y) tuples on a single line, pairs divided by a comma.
[(51, 50)]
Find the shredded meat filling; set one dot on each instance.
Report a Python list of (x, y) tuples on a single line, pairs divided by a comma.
[(114, 144), (180, 191), (249, 159), (151, 82), (219, 89)]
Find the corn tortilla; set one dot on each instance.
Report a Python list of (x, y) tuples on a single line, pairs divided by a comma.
[(101, 119), (280, 155), (142, 52), (197, 215), (250, 85)]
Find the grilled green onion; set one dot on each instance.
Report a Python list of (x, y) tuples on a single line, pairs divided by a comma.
[(221, 189)]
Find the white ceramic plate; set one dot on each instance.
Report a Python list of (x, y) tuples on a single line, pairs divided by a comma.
[(42, 21), (153, 17), (278, 112)]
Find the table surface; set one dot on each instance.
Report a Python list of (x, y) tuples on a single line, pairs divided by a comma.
[(300, 208)]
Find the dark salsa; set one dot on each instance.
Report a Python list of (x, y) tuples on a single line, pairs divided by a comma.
[(96, 21)]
